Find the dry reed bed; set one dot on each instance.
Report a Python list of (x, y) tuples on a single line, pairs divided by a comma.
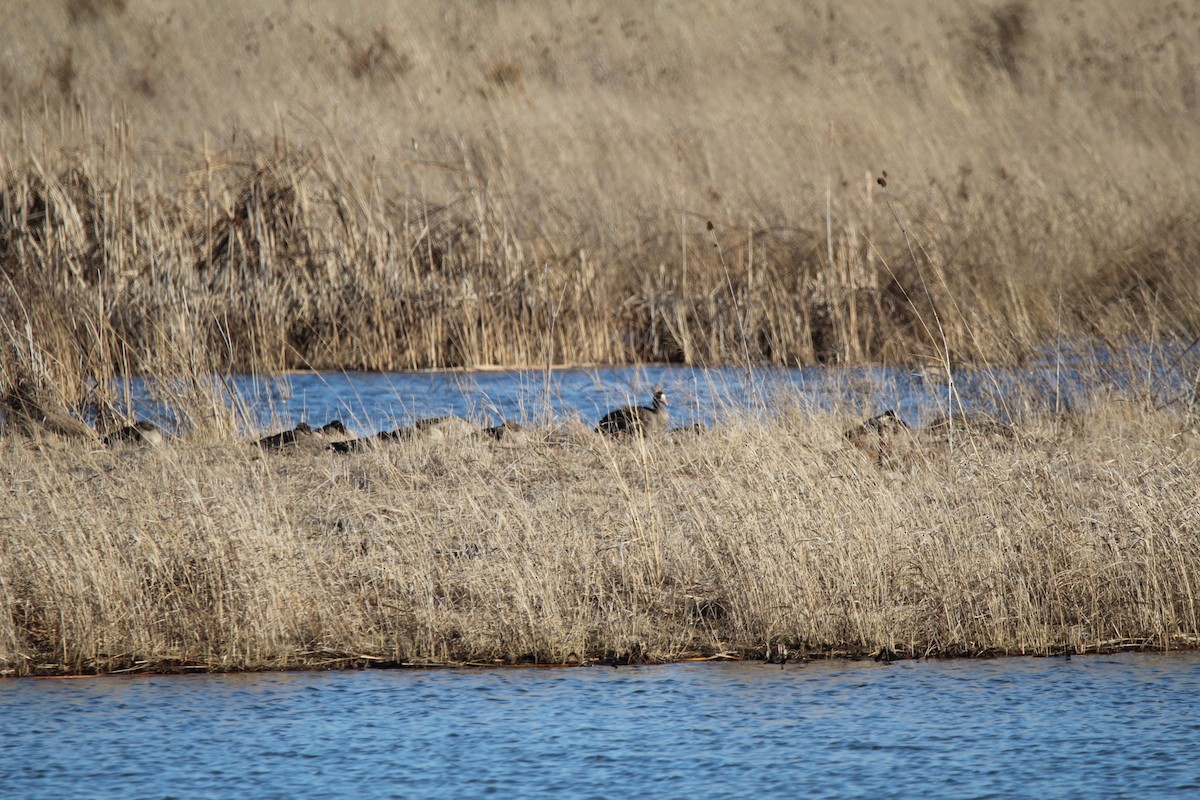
[(408, 186), (1076, 534)]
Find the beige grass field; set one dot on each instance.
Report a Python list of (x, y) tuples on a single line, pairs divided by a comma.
[(197, 187), (1071, 535)]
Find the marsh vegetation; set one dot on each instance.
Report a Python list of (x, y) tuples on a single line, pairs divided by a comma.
[(568, 546), (397, 187), (228, 186)]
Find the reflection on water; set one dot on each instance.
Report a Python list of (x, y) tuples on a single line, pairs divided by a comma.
[(1101, 726), (370, 402)]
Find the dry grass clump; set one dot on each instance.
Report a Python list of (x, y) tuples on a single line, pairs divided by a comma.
[(207, 553), (406, 186)]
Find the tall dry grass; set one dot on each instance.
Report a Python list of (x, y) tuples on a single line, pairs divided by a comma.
[(404, 185), (203, 187), (1072, 535)]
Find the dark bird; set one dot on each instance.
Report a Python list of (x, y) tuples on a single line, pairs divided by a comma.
[(887, 421), (885, 655), (877, 434), (351, 445), (277, 441), (505, 430), (641, 420)]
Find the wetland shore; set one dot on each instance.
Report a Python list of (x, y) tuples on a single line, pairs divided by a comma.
[(410, 186), (1066, 535)]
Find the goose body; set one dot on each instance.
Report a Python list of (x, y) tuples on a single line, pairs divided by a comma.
[(510, 431), (437, 428), (639, 420), (277, 441), (140, 432), (878, 434), (430, 429)]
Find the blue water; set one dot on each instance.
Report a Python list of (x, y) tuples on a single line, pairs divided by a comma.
[(370, 402), (1098, 726)]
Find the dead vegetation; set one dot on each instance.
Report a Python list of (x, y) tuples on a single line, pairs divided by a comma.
[(512, 185), (463, 184), (747, 540)]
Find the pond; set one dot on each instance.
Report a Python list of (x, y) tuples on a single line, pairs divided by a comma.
[(1098, 726)]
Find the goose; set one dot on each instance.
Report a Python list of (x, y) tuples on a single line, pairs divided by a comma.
[(437, 428), (277, 441), (140, 432), (363, 442), (431, 429), (876, 434), (642, 420), (350, 445), (505, 430), (280, 440)]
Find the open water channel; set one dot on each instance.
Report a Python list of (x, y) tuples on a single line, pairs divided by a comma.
[(1096, 726), (370, 402)]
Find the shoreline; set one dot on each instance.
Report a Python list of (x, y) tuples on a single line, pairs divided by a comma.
[(362, 663)]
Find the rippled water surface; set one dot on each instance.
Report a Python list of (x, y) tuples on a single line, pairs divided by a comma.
[(1100, 726), (370, 402)]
